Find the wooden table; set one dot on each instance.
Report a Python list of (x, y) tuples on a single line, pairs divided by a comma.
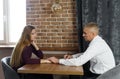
[(50, 69)]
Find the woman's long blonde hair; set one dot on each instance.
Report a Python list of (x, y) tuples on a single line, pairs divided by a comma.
[(24, 40)]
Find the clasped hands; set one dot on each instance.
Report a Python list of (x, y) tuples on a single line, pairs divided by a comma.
[(55, 60)]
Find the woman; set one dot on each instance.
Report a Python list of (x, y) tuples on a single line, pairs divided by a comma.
[(22, 53)]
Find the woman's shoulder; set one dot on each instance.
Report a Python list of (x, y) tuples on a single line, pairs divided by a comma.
[(27, 47)]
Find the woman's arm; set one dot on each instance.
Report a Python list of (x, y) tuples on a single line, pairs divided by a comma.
[(26, 56), (36, 50)]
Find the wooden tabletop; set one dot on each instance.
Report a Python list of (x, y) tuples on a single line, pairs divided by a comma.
[(51, 69)]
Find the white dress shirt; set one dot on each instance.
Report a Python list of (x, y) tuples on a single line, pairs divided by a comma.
[(100, 56)]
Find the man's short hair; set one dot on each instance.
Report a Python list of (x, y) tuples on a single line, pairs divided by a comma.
[(93, 26)]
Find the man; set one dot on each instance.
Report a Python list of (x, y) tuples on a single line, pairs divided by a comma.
[(98, 53)]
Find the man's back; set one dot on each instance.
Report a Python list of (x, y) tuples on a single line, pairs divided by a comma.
[(104, 59)]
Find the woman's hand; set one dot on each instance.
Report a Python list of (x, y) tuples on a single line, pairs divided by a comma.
[(54, 60), (35, 45), (44, 61)]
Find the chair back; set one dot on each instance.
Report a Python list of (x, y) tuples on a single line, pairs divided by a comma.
[(114, 73), (9, 73)]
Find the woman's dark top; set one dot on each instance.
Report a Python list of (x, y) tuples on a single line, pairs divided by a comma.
[(27, 54)]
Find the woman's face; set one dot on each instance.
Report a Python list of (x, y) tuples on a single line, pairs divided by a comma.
[(33, 35)]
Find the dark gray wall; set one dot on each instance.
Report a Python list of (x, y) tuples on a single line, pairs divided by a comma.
[(106, 13)]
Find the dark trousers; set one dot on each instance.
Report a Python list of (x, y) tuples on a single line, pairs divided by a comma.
[(83, 77), (87, 73), (92, 76)]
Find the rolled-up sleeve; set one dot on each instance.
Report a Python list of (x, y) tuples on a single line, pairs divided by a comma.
[(91, 51)]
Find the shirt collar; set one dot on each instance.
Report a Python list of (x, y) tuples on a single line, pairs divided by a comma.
[(94, 39)]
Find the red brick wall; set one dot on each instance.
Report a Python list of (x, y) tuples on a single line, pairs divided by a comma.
[(53, 30)]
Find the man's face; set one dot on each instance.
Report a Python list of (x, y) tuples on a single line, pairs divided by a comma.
[(87, 34)]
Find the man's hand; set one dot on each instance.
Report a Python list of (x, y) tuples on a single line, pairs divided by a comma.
[(54, 60), (43, 61), (67, 56)]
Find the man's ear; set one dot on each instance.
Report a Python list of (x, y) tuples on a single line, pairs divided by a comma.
[(93, 34)]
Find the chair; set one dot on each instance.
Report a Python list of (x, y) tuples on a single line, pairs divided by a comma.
[(9, 73), (117, 62), (114, 73)]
